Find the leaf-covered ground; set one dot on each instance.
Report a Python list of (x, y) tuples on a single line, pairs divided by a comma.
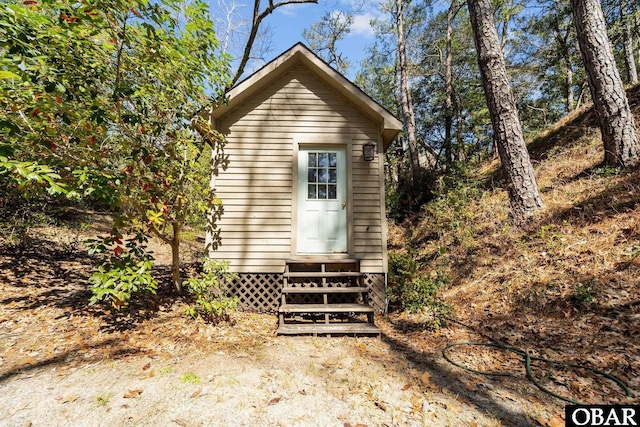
[(63, 363), (565, 288)]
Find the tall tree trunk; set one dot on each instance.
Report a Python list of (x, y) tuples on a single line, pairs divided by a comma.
[(621, 146), (581, 94), (448, 85), (175, 257), (569, 87), (522, 187), (460, 152), (562, 40), (405, 92), (630, 60)]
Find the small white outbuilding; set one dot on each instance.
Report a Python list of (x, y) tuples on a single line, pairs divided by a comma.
[(305, 177)]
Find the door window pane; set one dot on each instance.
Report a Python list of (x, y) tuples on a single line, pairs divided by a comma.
[(332, 192), (322, 191), (323, 175), (312, 191)]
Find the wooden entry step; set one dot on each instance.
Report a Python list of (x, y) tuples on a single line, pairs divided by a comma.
[(321, 274), (322, 265), (326, 308), (316, 260), (324, 290), (324, 296), (330, 329)]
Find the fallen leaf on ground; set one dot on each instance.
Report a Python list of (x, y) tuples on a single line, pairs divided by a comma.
[(407, 386), (455, 407), (370, 394), (196, 393), (542, 421), (417, 403), (147, 366), (71, 398), (133, 393), (426, 378), (144, 375), (274, 400), (535, 399), (555, 421), (471, 386), (27, 361)]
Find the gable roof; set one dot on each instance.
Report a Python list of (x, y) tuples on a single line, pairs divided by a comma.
[(300, 54)]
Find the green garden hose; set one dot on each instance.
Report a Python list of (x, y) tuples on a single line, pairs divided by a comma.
[(528, 358)]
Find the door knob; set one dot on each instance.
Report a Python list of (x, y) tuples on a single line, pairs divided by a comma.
[(344, 205)]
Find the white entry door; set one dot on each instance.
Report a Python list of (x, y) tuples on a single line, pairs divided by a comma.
[(322, 200)]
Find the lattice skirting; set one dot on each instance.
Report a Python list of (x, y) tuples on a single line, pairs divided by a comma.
[(260, 292), (376, 284)]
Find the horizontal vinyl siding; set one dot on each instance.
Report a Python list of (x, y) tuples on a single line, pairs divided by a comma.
[(256, 188), (368, 209)]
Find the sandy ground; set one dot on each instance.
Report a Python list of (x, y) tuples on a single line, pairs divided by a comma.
[(63, 363), (283, 381), (286, 382), (243, 375)]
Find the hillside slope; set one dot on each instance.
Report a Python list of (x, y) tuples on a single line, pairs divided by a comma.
[(567, 287)]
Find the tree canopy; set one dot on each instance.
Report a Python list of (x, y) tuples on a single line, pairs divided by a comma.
[(539, 42), (98, 100)]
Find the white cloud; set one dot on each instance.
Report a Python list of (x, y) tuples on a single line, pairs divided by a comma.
[(292, 10), (362, 25)]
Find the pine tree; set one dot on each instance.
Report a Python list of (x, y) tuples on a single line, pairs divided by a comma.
[(524, 195), (621, 145)]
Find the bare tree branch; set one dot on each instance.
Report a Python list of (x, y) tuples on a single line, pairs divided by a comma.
[(258, 17)]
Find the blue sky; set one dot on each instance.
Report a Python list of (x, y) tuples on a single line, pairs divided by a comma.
[(287, 22)]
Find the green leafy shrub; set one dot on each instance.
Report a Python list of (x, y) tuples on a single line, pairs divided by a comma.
[(584, 295), (402, 267), (408, 195), (210, 291), (26, 175), (606, 170), (124, 269), (415, 292), (453, 209)]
